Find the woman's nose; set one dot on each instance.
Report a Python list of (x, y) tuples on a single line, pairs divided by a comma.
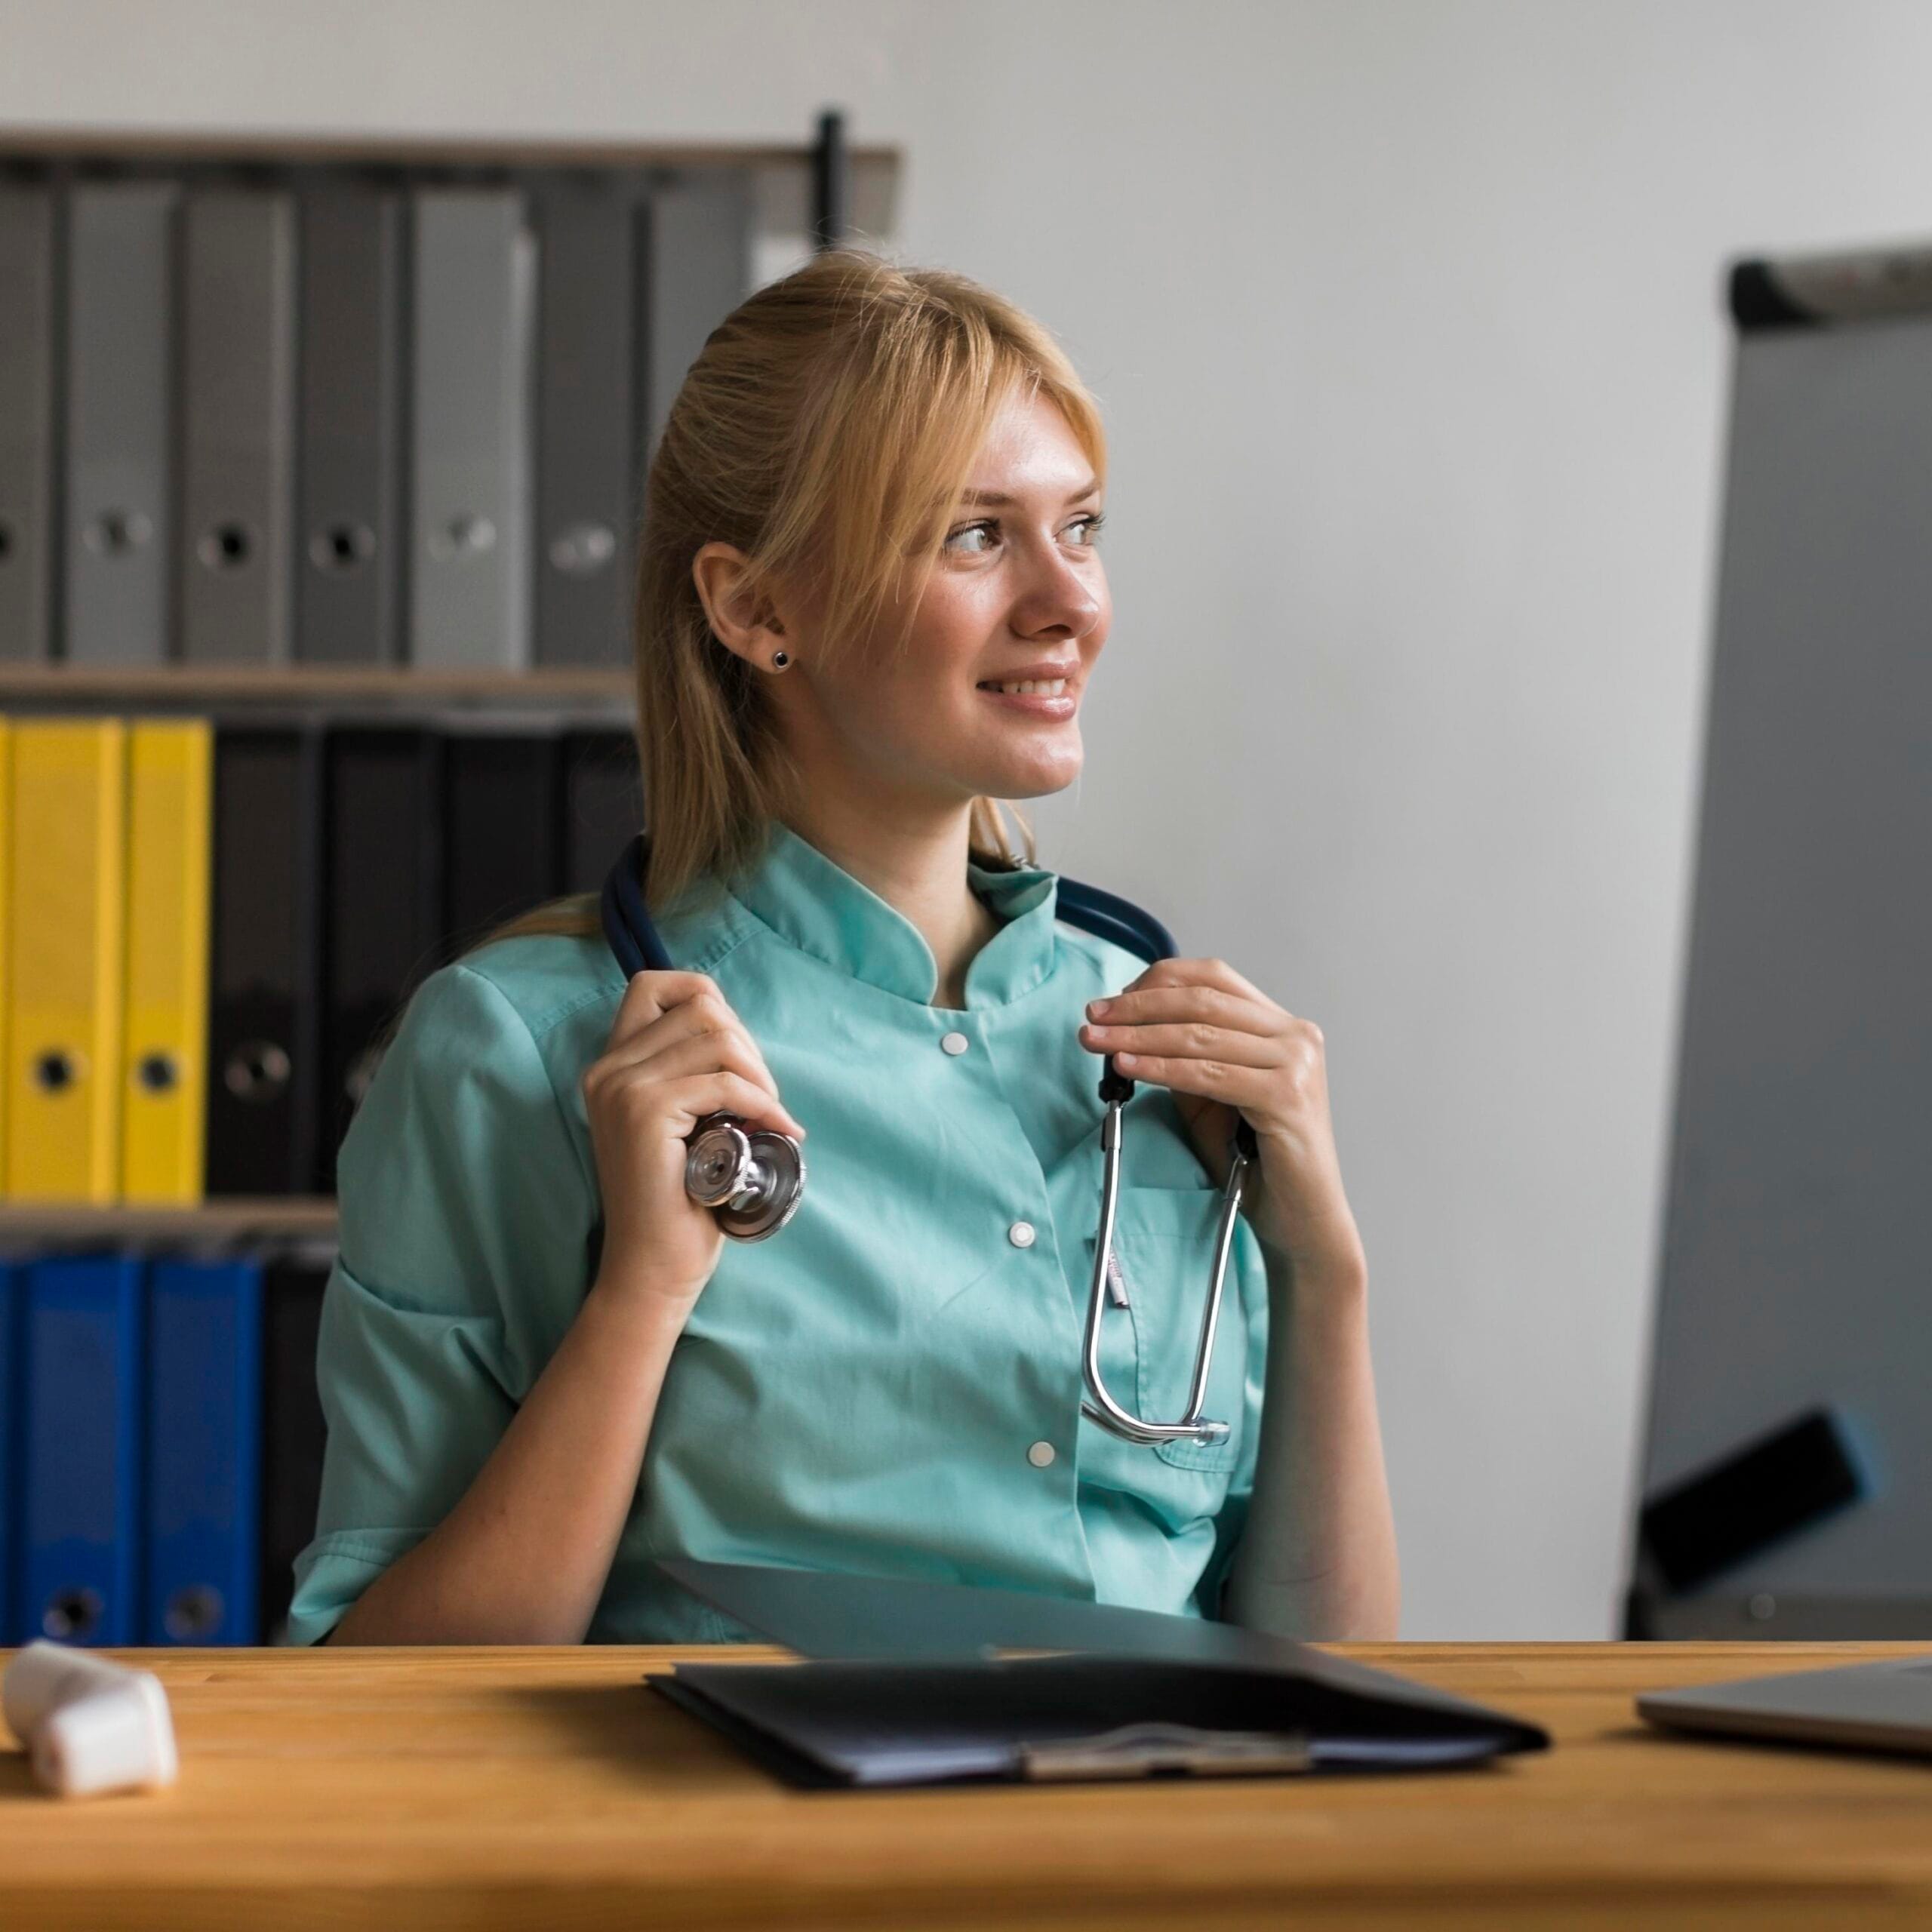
[(1058, 594)]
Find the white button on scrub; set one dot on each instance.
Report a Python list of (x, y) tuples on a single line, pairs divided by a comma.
[(1040, 1454), (956, 1043), (1020, 1234)]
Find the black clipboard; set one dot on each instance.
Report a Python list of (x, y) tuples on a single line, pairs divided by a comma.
[(903, 1685)]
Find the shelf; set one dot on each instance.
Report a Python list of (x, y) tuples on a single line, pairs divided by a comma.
[(380, 685), (76, 1223), (272, 148)]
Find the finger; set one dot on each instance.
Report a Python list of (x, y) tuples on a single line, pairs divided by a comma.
[(700, 1094), (1213, 1080), (650, 995), (1214, 1005), (705, 1052), (1187, 1040), (705, 1016), (1216, 973)]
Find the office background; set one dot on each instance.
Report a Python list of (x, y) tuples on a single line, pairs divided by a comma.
[(1406, 320)]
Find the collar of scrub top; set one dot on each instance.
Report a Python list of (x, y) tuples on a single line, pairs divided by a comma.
[(634, 941)]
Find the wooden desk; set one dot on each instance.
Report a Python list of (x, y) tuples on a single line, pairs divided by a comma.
[(544, 1789)]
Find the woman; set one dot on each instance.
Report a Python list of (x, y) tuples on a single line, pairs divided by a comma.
[(869, 602)]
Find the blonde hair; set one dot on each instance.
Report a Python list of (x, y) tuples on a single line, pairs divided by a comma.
[(827, 430)]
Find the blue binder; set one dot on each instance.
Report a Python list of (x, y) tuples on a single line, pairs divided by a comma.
[(9, 1416), (80, 1386), (203, 1412)]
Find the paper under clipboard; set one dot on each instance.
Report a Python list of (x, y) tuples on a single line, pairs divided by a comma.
[(913, 1694)]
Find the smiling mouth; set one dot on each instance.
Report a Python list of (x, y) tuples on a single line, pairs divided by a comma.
[(1026, 687)]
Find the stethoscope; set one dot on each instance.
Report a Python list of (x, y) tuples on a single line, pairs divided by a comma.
[(752, 1179)]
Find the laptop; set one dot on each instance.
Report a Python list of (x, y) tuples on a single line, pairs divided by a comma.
[(1883, 1706)]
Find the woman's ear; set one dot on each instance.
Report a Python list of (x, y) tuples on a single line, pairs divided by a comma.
[(741, 616)]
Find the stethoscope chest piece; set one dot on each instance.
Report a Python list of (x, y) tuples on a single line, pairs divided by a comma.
[(751, 1180)]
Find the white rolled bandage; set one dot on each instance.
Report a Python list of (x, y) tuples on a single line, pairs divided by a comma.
[(89, 1724)]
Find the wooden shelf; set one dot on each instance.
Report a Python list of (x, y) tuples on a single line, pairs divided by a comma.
[(379, 685), (275, 147), (76, 1223)]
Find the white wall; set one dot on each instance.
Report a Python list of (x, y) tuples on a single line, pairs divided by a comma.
[(1406, 319)]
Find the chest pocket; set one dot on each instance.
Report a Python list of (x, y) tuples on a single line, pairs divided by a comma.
[(1164, 1244)]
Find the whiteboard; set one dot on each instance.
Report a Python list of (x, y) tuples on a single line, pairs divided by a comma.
[(1796, 1262)]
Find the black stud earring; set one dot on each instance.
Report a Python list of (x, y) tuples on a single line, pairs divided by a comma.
[(779, 660)]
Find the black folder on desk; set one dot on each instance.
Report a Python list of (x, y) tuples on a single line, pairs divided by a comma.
[(905, 1687)]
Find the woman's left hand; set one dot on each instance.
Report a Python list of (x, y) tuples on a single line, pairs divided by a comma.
[(1221, 1045)]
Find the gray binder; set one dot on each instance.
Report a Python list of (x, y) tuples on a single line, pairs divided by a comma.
[(585, 437), (26, 422), (474, 280), (238, 344), (348, 548), (700, 271), (117, 519)]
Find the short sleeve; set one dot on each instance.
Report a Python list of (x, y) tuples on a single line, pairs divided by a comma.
[(467, 1210)]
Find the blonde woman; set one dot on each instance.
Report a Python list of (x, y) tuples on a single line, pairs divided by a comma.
[(869, 604)]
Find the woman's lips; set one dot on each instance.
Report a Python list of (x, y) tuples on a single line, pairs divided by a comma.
[(1036, 704)]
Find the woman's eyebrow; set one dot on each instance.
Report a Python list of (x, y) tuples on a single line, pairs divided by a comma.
[(994, 499)]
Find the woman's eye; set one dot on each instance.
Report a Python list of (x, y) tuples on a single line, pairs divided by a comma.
[(971, 530), (1092, 524)]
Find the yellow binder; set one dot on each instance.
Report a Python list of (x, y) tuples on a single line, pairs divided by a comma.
[(6, 935), (63, 1044), (164, 1038)]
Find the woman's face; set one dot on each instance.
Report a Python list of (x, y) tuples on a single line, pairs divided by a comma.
[(1018, 593)]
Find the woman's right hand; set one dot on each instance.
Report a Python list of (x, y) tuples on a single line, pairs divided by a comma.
[(676, 1053)]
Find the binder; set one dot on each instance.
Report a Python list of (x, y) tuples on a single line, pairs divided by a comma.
[(700, 228), (204, 1423), (474, 283), (80, 1439), (382, 879), (164, 1032), (587, 441), (294, 1430), (348, 562), (118, 519), (237, 424), (63, 1043), (27, 326), (7, 812), (264, 1043), (603, 804), (11, 1290), (500, 809)]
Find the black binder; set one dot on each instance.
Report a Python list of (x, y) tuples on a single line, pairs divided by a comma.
[(911, 1692), (603, 807), (263, 1042), (500, 818), (294, 1430), (585, 445), (382, 891), (348, 575), (28, 274)]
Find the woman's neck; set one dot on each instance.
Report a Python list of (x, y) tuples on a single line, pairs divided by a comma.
[(918, 865)]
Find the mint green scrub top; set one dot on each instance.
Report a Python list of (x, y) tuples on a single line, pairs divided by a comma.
[(891, 1384)]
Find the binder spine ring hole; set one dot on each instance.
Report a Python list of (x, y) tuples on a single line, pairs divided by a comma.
[(73, 1616), (116, 532), (193, 1614), (226, 547), (257, 1070), (341, 546), (157, 1073), (463, 537), (6, 540), (583, 548), (57, 1070)]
